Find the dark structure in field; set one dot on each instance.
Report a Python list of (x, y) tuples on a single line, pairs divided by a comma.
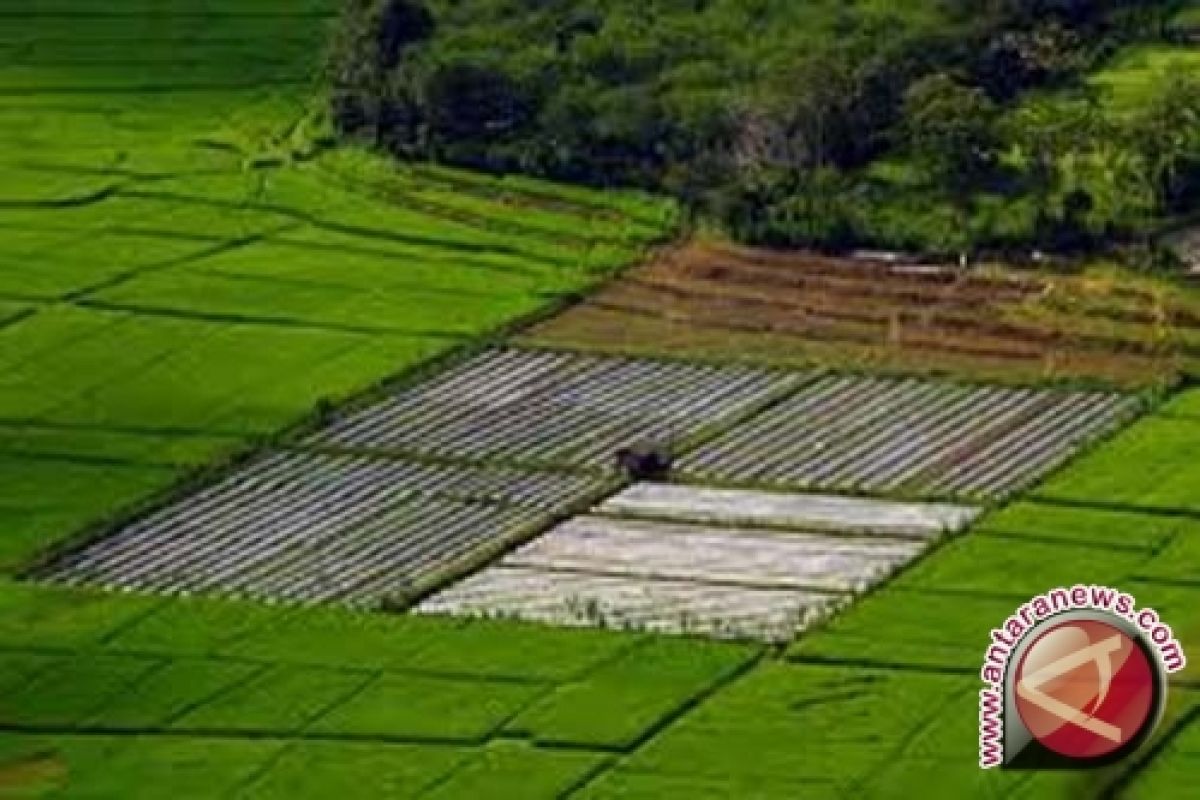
[(646, 461)]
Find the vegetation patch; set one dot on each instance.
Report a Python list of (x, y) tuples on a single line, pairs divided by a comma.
[(713, 301)]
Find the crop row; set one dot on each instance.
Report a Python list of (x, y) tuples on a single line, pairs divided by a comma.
[(568, 598), (908, 435), (549, 407), (758, 571), (304, 527), (808, 512)]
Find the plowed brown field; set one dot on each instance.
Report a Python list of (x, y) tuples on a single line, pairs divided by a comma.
[(716, 300)]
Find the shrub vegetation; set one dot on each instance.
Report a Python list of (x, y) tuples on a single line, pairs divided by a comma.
[(933, 124)]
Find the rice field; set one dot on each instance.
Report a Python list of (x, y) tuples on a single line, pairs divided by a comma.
[(186, 264), (185, 269), (105, 692)]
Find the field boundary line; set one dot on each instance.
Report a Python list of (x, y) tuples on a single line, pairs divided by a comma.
[(439, 210), (1020, 536), (74, 201), (20, 315), (251, 676), (151, 88), (124, 430), (1103, 505), (679, 712), (602, 766), (249, 660), (123, 277), (698, 581), (1163, 581), (879, 664), (369, 679), (88, 459), (380, 252), (341, 227), (261, 770), (251, 734), (1147, 759), (271, 321)]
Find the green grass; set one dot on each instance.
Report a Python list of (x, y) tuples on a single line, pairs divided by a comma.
[(74, 690), (1184, 404), (141, 767), (416, 707), (1138, 71), (281, 699), (1172, 774), (623, 700), (758, 728), (509, 771), (193, 271), (513, 649), (1080, 526), (41, 499), (998, 565), (1151, 464), (170, 691), (344, 769)]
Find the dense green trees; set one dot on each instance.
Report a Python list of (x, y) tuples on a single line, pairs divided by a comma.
[(912, 123)]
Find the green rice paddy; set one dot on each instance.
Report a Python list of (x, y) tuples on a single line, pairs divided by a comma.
[(185, 270)]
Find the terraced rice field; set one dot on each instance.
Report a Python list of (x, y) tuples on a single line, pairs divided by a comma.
[(716, 301), (186, 266), (108, 694), (765, 566)]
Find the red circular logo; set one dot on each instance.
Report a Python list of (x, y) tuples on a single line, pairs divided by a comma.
[(1085, 689)]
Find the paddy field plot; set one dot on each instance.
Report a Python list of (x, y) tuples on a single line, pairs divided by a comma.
[(758, 565)]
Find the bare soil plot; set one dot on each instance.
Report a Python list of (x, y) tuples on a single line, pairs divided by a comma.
[(719, 579), (719, 301)]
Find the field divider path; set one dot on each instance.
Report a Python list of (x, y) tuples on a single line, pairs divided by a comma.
[(218, 734)]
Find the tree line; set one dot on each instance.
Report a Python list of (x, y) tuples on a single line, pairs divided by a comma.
[(940, 125)]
